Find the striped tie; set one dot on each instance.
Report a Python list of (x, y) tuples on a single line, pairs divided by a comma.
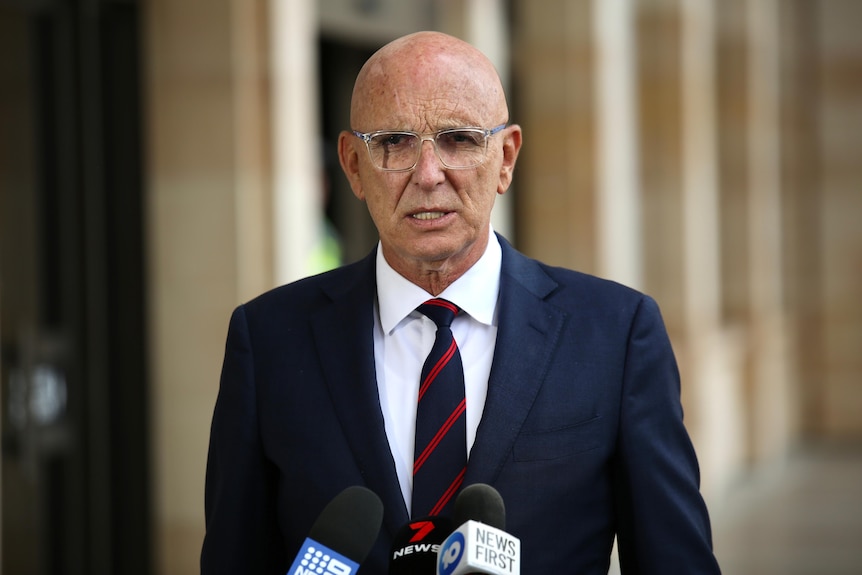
[(440, 458)]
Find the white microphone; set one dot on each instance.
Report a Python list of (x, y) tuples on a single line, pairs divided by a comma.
[(342, 536), (480, 545)]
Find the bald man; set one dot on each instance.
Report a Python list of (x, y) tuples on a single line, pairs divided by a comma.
[(570, 388)]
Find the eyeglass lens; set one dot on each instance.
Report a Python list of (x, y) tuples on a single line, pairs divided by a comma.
[(400, 150)]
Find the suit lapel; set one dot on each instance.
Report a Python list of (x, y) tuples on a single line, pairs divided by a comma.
[(344, 338), (529, 332)]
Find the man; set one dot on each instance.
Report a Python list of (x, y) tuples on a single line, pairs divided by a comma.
[(572, 390)]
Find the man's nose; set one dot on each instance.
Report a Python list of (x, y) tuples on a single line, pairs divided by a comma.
[(428, 158)]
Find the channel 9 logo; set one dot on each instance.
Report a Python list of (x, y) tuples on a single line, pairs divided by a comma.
[(317, 561)]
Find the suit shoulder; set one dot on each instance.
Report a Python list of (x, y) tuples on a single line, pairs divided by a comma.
[(311, 292), (563, 285), (584, 282), (588, 295), (573, 283), (608, 305)]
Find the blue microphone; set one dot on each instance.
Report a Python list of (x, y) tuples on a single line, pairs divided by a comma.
[(342, 536)]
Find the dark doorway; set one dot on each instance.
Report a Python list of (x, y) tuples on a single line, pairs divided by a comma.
[(75, 476), (340, 61)]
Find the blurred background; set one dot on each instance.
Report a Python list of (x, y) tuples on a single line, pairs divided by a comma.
[(163, 161)]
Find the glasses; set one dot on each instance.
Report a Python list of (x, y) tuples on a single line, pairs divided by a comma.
[(457, 148)]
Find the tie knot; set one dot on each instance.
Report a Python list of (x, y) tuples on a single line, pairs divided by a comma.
[(440, 311)]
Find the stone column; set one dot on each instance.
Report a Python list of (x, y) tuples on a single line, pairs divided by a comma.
[(209, 231), (618, 195), (296, 136), (679, 136), (772, 395), (802, 206), (840, 139), (554, 95)]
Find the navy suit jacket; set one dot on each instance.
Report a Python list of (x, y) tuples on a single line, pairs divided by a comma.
[(582, 431)]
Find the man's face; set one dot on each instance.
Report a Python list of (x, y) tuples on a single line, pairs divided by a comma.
[(432, 217), (431, 213)]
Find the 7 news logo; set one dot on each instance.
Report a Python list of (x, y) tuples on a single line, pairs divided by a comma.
[(422, 529), (423, 540)]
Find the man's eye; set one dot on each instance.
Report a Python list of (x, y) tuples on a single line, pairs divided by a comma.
[(462, 138), (393, 140)]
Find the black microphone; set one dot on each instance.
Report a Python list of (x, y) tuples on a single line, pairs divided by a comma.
[(480, 502), (480, 545), (415, 546), (342, 536)]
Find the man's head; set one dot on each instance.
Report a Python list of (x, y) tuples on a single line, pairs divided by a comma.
[(433, 220)]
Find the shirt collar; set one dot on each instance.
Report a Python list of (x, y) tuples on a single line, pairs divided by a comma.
[(475, 292)]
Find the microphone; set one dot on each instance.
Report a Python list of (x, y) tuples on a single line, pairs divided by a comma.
[(415, 546), (480, 502), (480, 545), (342, 536)]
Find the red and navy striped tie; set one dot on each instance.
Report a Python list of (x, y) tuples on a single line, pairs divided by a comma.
[(440, 458)]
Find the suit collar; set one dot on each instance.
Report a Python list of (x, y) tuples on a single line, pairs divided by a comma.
[(475, 292)]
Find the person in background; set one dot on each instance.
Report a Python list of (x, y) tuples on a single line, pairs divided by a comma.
[(569, 390)]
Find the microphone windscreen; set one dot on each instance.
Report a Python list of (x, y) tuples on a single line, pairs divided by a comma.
[(349, 524), (415, 546), (480, 502)]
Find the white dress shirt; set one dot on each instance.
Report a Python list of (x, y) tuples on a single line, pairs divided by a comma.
[(403, 337)]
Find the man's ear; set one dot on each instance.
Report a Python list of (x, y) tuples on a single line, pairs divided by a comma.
[(348, 156), (511, 147)]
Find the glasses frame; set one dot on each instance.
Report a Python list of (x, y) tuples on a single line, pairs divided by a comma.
[(431, 137)]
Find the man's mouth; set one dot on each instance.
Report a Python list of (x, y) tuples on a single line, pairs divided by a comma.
[(429, 215)]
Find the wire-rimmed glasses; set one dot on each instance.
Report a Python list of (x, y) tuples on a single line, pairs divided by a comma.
[(398, 151)]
